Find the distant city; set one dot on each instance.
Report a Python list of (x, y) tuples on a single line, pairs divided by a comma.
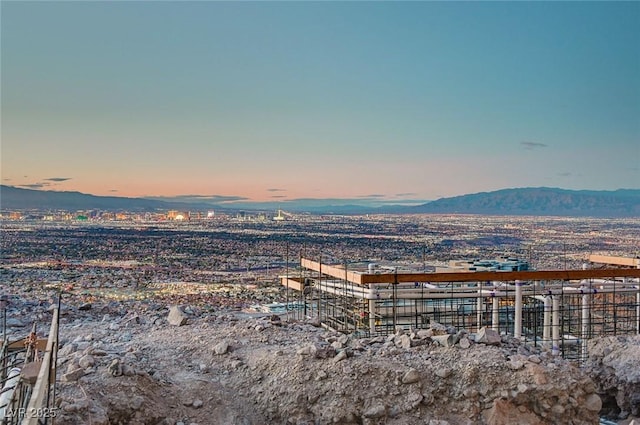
[(86, 247)]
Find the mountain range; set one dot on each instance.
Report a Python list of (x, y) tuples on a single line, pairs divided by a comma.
[(520, 201)]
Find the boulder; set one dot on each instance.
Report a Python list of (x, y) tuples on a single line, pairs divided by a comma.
[(221, 348), (504, 412), (73, 376), (176, 316), (446, 340), (411, 376), (488, 336)]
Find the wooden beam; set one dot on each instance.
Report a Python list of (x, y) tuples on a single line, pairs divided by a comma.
[(365, 278), (292, 283), (616, 261), (333, 271), (41, 344), (498, 276)]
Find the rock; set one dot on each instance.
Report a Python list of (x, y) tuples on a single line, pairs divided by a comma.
[(410, 377), (128, 370), (593, 403), (14, 323), (534, 359), (73, 375), (125, 337), (557, 409), (307, 350), (515, 365), (176, 316), (470, 393), (424, 333), (197, 403), (340, 356), (438, 328), (115, 367), (86, 361), (504, 412), (136, 402), (375, 411), (221, 348), (488, 336), (324, 352), (443, 373), (67, 349), (413, 400), (403, 341), (114, 326), (464, 343), (73, 365), (446, 340)]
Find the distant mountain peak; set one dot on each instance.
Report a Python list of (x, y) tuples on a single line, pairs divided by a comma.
[(541, 201), (544, 201)]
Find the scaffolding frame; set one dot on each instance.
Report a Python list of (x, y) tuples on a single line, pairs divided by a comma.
[(556, 309)]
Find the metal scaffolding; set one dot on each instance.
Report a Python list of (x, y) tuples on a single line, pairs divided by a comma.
[(557, 309), (27, 377)]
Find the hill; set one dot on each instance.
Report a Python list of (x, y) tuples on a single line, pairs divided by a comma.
[(523, 201), (23, 199), (540, 201)]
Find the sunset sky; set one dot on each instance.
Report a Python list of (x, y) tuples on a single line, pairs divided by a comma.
[(285, 100)]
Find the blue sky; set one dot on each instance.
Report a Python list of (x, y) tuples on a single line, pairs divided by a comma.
[(287, 100)]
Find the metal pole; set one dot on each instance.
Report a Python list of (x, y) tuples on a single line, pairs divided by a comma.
[(585, 325), (638, 311), (479, 305), (517, 331), (3, 306), (555, 332), (319, 287), (495, 314), (287, 277), (546, 325)]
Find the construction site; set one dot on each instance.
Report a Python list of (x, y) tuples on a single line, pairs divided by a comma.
[(557, 309), (28, 375)]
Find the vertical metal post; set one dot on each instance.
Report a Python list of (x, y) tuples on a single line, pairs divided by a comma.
[(395, 285), (287, 277), (3, 306), (638, 311), (517, 326), (585, 326), (495, 314), (479, 305), (319, 287), (555, 331), (372, 313), (546, 325)]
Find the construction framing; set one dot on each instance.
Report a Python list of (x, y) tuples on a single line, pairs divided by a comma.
[(559, 309)]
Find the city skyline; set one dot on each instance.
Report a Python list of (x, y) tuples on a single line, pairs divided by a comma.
[(277, 101)]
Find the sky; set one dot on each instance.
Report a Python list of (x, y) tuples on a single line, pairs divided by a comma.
[(275, 101)]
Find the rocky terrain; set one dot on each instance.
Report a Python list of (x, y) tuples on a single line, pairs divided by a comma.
[(147, 362), (614, 365)]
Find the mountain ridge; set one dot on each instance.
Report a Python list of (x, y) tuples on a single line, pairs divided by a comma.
[(512, 201)]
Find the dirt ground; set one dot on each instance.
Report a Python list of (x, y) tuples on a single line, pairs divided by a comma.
[(224, 369)]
